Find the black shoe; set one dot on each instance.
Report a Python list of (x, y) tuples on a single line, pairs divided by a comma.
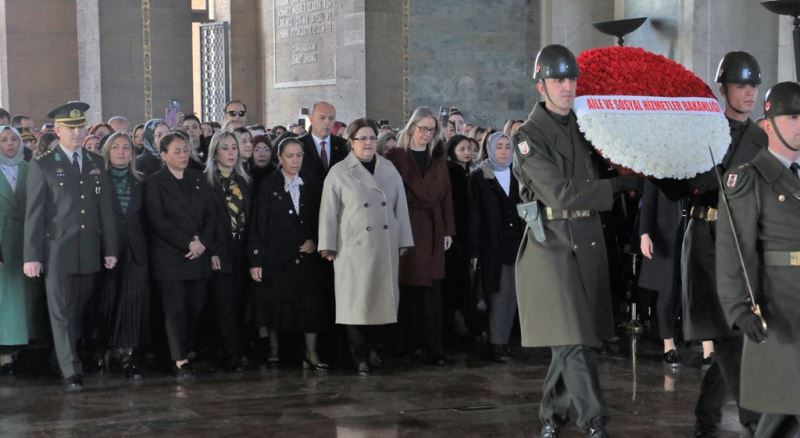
[(73, 383), (701, 431), (235, 366), (500, 355), (9, 369), (375, 360), (319, 366), (363, 369), (437, 360), (131, 368), (550, 430), (597, 430), (183, 373), (707, 361), (672, 358)]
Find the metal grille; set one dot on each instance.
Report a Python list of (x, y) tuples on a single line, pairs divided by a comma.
[(215, 83)]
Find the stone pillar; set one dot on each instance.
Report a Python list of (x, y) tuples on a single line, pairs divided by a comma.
[(112, 57), (569, 23), (246, 53), (38, 56)]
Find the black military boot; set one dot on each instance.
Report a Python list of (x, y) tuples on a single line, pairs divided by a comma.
[(550, 430), (597, 429)]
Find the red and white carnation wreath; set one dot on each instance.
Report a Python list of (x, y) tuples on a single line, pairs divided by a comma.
[(648, 114)]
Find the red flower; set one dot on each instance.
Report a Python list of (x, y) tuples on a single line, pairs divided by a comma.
[(632, 71)]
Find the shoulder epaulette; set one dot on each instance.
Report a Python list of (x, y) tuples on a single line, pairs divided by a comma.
[(46, 154)]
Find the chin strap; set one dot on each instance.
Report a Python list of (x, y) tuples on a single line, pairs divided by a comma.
[(547, 94), (780, 137)]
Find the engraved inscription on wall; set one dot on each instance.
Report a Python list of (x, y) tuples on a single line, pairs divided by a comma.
[(305, 42)]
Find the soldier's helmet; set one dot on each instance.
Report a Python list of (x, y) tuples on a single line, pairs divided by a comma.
[(782, 99), (555, 61), (738, 68)]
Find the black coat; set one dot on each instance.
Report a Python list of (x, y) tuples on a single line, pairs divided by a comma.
[(148, 163), (130, 231), (176, 211), (459, 177), (663, 220), (223, 245), (495, 229), (313, 172), (276, 230)]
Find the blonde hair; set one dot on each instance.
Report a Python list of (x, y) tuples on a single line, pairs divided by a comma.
[(211, 159), (405, 134), (107, 152)]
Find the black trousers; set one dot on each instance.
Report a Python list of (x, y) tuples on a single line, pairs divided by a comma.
[(721, 379), (668, 307), (183, 302), (420, 318), (226, 301), (362, 339), (68, 297), (572, 377), (778, 426)]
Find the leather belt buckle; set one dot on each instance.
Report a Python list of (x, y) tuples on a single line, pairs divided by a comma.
[(794, 258)]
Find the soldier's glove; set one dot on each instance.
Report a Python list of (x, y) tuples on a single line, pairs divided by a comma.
[(627, 183), (751, 326)]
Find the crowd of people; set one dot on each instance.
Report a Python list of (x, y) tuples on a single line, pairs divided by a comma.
[(230, 243), (208, 241)]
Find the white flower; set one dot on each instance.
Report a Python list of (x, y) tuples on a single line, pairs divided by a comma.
[(659, 145)]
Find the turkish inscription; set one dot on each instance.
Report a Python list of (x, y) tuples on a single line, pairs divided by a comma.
[(305, 42)]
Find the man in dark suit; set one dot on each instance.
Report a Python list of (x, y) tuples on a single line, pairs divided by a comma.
[(321, 149), (69, 231)]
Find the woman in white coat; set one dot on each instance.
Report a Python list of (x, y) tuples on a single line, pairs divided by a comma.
[(363, 229)]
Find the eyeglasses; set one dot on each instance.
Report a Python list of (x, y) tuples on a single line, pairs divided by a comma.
[(366, 138), (237, 113), (426, 130)]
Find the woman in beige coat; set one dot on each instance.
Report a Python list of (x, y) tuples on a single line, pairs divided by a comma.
[(363, 229)]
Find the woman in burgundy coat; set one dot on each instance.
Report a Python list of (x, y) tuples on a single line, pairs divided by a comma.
[(430, 204)]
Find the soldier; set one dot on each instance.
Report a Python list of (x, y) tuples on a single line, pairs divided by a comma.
[(764, 201), (739, 76), (562, 272), (69, 224)]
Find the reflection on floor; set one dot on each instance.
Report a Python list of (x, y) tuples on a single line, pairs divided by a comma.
[(468, 397)]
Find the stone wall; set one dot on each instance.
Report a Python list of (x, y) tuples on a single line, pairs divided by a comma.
[(38, 56)]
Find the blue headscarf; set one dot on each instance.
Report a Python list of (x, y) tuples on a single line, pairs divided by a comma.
[(491, 147), (16, 159)]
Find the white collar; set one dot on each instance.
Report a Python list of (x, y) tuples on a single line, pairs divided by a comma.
[(318, 140), (69, 153)]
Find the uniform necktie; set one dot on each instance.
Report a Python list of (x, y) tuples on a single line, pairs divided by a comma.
[(76, 164), (323, 155), (795, 168)]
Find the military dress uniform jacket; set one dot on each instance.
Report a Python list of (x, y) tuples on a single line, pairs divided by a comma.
[(69, 220), (702, 314), (764, 198), (562, 283)]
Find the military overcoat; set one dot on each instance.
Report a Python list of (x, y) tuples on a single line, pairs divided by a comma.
[(562, 283), (764, 198)]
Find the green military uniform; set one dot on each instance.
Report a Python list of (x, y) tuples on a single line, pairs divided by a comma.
[(764, 198), (764, 201), (69, 227)]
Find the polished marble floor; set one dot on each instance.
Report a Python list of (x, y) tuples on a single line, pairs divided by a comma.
[(468, 397)]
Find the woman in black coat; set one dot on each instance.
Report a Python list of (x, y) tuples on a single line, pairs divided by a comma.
[(181, 219), (456, 284), (231, 193), (283, 259), (125, 292), (661, 227), (495, 232)]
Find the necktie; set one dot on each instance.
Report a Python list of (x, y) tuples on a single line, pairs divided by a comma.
[(795, 168), (323, 155), (76, 164)]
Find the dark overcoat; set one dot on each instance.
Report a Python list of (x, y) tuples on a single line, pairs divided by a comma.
[(430, 209), (764, 198), (702, 315), (562, 283)]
